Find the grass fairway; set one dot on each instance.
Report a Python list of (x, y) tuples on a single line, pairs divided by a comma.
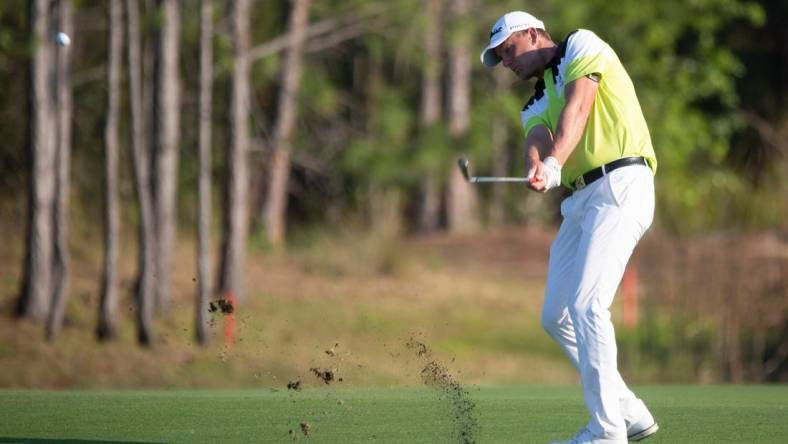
[(523, 414)]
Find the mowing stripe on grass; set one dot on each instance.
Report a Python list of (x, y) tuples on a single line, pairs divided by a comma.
[(524, 414)]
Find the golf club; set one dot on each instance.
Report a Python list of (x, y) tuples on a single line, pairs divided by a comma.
[(465, 169)]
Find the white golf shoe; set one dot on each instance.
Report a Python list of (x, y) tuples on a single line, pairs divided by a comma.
[(586, 437), (640, 424)]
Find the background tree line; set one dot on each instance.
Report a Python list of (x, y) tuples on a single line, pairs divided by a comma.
[(257, 116)]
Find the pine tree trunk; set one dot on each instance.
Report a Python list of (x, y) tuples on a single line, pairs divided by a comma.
[(36, 286), (145, 282), (204, 278), (275, 216), (108, 296), (63, 171), (500, 155), (168, 117), (500, 168), (237, 175), (461, 204), (429, 207), (150, 37)]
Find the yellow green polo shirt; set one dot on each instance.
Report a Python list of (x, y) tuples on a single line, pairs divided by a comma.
[(616, 127)]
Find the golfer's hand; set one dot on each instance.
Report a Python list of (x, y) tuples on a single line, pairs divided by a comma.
[(544, 174), (535, 173)]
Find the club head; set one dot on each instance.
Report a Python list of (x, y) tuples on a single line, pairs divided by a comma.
[(463, 164)]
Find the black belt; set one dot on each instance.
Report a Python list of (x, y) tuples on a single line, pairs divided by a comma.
[(585, 179)]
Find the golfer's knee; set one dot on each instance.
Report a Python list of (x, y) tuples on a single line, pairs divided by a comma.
[(583, 313), (551, 321)]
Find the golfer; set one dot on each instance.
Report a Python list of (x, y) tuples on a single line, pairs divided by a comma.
[(584, 129)]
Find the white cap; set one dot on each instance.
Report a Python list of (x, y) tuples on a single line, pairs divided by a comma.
[(505, 26)]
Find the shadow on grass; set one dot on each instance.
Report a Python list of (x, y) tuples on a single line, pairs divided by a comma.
[(67, 441)]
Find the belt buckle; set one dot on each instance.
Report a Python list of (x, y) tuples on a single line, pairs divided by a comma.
[(580, 183)]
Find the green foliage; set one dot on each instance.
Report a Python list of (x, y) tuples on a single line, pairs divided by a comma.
[(320, 97), (431, 149), (359, 100), (685, 80), (14, 50), (663, 348), (381, 157)]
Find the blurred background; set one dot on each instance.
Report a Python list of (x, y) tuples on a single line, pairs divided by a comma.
[(229, 193)]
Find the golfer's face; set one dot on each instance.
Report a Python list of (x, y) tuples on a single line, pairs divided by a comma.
[(518, 53)]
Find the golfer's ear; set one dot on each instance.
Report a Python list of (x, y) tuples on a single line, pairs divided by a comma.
[(533, 35)]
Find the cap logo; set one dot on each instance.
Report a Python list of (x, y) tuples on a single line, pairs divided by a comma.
[(496, 31)]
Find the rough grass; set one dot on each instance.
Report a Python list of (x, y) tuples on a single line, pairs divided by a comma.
[(474, 301), (529, 414)]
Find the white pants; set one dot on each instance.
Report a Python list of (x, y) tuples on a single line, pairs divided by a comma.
[(602, 224)]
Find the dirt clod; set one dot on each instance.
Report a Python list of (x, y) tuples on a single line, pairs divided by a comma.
[(294, 385), (326, 375), (305, 427), (224, 305)]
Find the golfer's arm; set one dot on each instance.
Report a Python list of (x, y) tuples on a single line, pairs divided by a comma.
[(580, 96), (538, 143)]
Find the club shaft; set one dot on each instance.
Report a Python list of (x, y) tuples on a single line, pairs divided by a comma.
[(488, 179)]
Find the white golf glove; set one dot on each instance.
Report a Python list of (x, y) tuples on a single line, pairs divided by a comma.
[(552, 172)]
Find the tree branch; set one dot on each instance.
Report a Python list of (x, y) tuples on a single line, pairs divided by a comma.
[(769, 133), (348, 33), (344, 27)]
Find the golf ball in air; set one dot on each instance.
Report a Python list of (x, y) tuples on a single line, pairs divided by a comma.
[(62, 39)]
